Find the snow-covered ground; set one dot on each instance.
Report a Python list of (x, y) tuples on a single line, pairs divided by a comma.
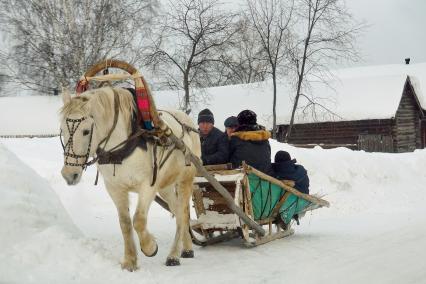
[(374, 231)]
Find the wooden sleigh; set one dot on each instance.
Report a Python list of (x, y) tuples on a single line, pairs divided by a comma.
[(269, 202)]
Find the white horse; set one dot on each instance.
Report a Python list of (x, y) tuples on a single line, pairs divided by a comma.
[(86, 120)]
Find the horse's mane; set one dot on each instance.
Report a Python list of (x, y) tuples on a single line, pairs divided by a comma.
[(102, 101), (76, 104)]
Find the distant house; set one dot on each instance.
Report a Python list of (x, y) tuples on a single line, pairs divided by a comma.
[(378, 113)]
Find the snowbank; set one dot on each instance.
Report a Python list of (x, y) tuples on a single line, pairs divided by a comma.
[(357, 182), (39, 243), (29, 206)]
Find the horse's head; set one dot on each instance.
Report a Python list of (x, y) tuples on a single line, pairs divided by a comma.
[(77, 127)]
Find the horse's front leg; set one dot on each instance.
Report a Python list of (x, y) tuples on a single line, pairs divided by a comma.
[(147, 241), (121, 201), (182, 237)]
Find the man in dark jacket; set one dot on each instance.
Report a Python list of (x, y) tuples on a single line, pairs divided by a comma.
[(286, 168), (250, 143), (214, 143)]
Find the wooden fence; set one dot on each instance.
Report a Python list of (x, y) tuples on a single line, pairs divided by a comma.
[(375, 143), (29, 136)]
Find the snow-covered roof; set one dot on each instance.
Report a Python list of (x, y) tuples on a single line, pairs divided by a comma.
[(372, 92)]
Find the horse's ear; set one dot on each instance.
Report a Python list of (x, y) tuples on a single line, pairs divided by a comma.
[(66, 96)]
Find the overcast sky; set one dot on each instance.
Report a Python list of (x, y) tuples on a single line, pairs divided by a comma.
[(397, 30)]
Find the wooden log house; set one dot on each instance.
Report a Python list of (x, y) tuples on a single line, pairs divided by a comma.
[(403, 131)]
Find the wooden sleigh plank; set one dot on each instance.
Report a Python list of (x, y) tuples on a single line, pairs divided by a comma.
[(268, 238), (227, 236)]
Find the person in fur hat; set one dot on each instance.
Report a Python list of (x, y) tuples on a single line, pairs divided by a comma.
[(214, 143), (250, 143)]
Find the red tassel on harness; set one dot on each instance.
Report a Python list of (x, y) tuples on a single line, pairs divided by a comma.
[(82, 86)]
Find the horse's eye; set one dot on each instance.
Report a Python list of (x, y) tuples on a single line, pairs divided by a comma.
[(86, 132)]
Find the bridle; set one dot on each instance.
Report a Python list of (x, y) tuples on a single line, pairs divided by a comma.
[(72, 125)]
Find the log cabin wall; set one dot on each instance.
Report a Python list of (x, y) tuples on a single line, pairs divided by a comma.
[(334, 134), (407, 129), (422, 133), (419, 134)]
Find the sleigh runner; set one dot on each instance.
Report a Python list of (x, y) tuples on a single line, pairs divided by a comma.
[(269, 202)]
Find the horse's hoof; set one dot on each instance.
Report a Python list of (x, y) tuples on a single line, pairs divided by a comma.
[(171, 261), (187, 253), (129, 266), (154, 253)]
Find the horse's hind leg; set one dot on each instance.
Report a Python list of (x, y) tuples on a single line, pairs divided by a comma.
[(187, 251), (147, 241), (183, 191), (121, 201)]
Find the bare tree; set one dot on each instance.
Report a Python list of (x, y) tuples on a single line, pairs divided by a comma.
[(271, 20), (245, 61), (3, 78), (187, 44), (2, 75), (326, 34), (55, 41)]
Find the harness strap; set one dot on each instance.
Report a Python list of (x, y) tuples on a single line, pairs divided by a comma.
[(154, 164), (116, 156), (97, 177), (167, 156), (183, 125)]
